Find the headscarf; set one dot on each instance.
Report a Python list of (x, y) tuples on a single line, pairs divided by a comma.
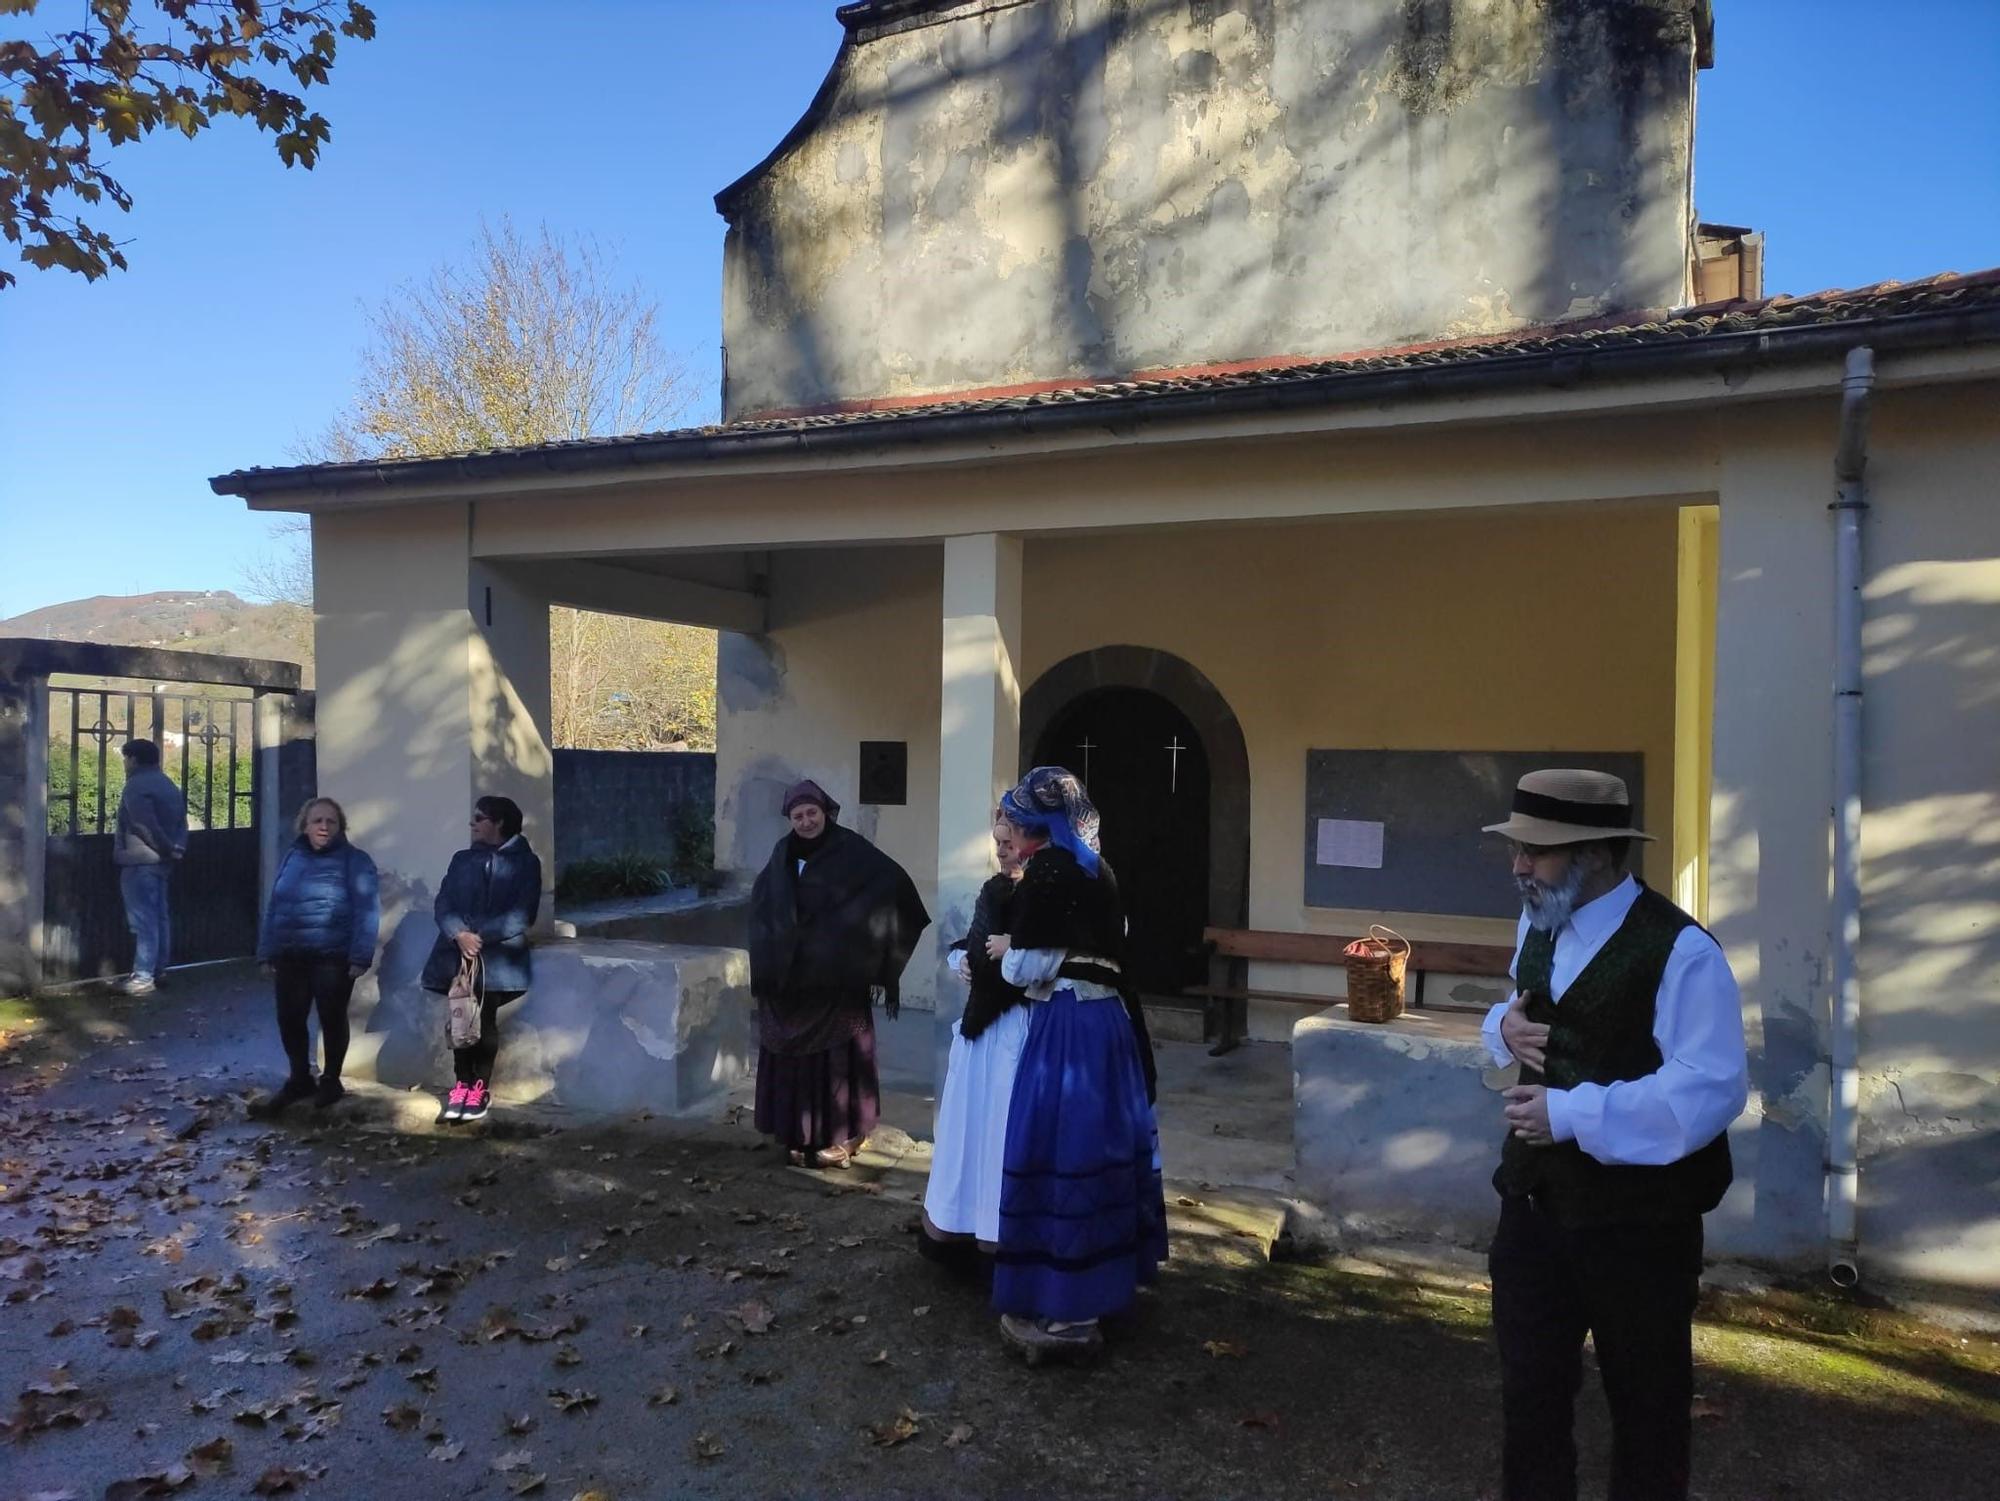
[(1052, 802), (810, 791)]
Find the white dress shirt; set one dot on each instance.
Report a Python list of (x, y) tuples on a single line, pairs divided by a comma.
[(1704, 1079)]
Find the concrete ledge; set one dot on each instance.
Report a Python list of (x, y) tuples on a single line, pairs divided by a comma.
[(1396, 1127), (610, 1026)]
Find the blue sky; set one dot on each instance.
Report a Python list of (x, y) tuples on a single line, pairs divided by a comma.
[(1860, 137)]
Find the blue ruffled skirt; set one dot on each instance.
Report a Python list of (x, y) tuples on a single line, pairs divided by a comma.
[(1083, 1219)]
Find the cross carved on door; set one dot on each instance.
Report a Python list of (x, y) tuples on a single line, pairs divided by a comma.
[(1174, 749), (1087, 745)]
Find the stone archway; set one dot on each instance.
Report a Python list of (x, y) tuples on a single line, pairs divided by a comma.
[(1182, 685)]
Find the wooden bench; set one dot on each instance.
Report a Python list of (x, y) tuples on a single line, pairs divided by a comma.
[(1326, 948)]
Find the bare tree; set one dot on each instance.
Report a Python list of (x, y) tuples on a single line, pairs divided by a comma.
[(533, 340)]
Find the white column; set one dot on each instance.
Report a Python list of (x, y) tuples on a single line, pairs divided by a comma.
[(979, 735), (1772, 786)]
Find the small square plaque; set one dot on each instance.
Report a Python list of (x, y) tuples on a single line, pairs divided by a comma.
[(885, 772)]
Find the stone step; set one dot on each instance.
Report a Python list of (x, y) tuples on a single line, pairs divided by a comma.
[(1247, 1220)]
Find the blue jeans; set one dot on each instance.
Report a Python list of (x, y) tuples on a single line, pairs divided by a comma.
[(144, 888)]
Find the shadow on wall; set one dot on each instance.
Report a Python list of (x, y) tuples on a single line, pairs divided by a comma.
[(1930, 943), (1121, 209), (1930, 957)]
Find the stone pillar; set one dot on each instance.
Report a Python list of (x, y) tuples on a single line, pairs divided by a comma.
[(509, 709), (433, 690), (979, 736), (24, 822)]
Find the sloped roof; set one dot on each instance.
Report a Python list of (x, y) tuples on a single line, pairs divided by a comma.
[(1938, 310)]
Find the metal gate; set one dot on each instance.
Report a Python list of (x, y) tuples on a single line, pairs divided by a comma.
[(208, 746)]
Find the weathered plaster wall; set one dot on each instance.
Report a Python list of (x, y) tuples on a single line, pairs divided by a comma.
[(1088, 187), (1930, 1040), (852, 655), (1930, 958)]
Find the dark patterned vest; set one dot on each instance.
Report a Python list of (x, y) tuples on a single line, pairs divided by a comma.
[(1602, 1033)]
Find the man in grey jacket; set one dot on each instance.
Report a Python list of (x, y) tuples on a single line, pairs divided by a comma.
[(152, 835)]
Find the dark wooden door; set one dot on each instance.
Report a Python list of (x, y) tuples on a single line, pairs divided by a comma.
[(1147, 771)]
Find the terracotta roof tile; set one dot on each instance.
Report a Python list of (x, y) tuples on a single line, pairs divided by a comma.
[(1860, 306)]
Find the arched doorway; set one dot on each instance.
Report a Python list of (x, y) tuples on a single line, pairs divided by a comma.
[(1147, 771), (1206, 722)]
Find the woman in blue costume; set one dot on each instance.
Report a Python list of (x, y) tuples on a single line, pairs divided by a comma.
[(1082, 1215)]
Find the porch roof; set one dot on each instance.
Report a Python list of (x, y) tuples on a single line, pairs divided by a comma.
[(1939, 311)]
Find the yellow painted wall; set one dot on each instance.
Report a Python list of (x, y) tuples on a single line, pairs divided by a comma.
[(852, 655), (1526, 631)]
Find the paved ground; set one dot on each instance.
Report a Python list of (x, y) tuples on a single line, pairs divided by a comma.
[(338, 1308)]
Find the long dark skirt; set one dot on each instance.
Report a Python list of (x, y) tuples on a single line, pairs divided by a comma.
[(1082, 1214), (814, 1100)]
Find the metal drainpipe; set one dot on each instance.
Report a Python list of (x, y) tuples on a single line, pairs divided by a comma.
[(1850, 464)]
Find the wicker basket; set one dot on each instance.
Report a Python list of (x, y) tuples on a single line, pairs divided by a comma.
[(1375, 967)]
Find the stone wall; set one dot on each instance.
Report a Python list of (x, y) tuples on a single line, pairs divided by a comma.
[(630, 802), (987, 193)]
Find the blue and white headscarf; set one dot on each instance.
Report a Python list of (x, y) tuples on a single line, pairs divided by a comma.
[(1052, 802)]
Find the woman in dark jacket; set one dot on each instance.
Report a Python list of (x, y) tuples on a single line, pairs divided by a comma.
[(833, 921), (317, 938), (485, 908)]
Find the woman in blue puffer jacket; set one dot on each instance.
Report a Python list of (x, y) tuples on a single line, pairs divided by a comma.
[(318, 938), (485, 909)]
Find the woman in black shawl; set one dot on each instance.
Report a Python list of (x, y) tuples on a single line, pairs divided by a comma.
[(833, 921)]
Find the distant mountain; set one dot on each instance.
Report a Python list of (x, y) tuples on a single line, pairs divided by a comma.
[(209, 620)]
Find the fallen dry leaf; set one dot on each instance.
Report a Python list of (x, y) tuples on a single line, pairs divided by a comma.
[(1268, 1422), (446, 1453), (520, 1423), (159, 1483), (880, 1357), (1225, 1349), (708, 1446), (568, 1355), (280, 1479), (514, 1459), (402, 1417), (961, 1434), (666, 1396), (570, 1401), (898, 1430), (212, 1456), (527, 1485), (753, 1317)]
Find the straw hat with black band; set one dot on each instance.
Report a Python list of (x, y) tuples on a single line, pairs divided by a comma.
[(1569, 806)]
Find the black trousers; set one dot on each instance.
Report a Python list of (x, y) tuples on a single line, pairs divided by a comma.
[(305, 983), (470, 1065), (1632, 1289)]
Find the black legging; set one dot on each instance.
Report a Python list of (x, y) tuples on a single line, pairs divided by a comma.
[(306, 982), (470, 1065)]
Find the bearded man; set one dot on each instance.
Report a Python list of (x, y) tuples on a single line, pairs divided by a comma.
[(1628, 1028)]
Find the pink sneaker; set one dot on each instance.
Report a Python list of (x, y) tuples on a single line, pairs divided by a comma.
[(477, 1100), (454, 1107)]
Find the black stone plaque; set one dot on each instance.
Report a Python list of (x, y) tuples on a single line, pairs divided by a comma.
[(885, 772)]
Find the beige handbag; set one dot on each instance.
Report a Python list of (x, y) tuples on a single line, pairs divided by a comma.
[(461, 1002)]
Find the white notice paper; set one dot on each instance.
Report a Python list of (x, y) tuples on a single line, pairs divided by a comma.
[(1352, 842)]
